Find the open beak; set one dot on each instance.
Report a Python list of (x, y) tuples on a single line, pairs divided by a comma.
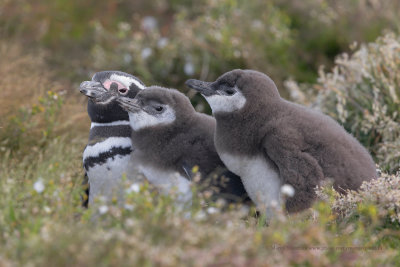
[(205, 88), (92, 89), (128, 104)]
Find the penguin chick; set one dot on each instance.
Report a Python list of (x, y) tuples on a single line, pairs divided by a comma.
[(106, 158), (269, 141), (170, 138)]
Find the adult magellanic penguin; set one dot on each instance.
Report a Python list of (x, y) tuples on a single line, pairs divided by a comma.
[(269, 141), (106, 157), (170, 138)]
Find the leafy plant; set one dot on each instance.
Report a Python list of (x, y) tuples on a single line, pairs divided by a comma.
[(362, 92)]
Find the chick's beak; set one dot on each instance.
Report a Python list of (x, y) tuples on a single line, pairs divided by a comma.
[(129, 104), (205, 88)]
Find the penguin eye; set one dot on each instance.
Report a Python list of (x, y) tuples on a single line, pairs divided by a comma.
[(230, 92), (159, 108), (123, 91)]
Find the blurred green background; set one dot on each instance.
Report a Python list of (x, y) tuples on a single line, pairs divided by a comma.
[(166, 42)]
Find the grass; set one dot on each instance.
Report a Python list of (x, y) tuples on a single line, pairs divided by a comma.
[(43, 224), (51, 229)]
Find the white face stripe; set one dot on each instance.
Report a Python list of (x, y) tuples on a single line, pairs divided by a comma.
[(114, 123), (126, 81), (225, 103), (142, 119), (106, 145)]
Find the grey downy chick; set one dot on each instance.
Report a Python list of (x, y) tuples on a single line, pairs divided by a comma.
[(269, 141), (170, 138)]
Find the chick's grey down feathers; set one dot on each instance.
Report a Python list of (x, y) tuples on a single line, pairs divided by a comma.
[(306, 146), (183, 144)]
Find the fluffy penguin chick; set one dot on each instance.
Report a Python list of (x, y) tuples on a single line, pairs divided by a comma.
[(107, 155), (170, 138), (269, 141)]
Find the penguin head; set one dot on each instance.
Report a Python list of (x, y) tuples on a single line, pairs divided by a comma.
[(232, 90), (156, 107), (103, 90)]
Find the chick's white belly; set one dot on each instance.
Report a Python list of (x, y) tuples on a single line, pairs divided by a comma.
[(168, 182), (260, 179)]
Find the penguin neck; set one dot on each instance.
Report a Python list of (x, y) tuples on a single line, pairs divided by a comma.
[(240, 132), (157, 145), (104, 114)]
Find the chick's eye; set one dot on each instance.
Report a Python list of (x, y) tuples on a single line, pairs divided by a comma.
[(230, 92), (159, 108)]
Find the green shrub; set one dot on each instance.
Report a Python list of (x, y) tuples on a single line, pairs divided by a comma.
[(280, 37), (203, 40), (362, 92), (324, 28)]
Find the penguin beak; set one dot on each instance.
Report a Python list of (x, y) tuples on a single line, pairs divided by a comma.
[(92, 89), (128, 104), (204, 88)]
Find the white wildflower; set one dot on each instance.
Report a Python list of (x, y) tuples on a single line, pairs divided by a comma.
[(129, 222), (146, 52), (39, 186), (149, 23), (212, 210), (127, 58), (162, 42), (103, 209), (189, 68), (287, 190), (128, 207), (201, 215), (133, 188)]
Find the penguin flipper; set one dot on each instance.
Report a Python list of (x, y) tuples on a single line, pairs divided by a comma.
[(187, 170), (296, 167)]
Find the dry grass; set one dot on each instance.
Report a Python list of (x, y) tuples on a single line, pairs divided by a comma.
[(36, 105), (24, 77)]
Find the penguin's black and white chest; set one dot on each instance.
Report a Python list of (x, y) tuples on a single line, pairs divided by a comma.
[(107, 157)]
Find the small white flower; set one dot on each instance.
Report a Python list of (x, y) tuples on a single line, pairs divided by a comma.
[(128, 207), (39, 186), (162, 42), (133, 188), (47, 209), (129, 222), (149, 23), (287, 190), (127, 58), (201, 215), (146, 52), (103, 209), (212, 210), (188, 68)]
